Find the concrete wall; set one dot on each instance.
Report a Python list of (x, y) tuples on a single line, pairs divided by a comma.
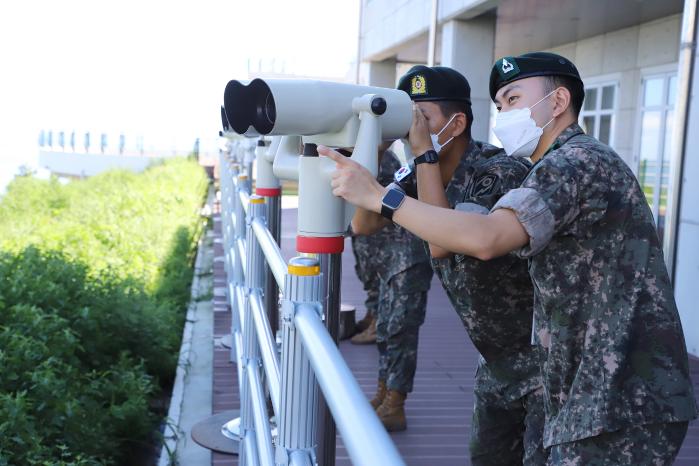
[(467, 46), (387, 24), (687, 259), (622, 56)]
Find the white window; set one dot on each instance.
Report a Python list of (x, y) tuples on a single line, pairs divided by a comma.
[(597, 114), (656, 120)]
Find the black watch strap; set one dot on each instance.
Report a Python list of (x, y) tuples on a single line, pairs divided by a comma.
[(430, 156)]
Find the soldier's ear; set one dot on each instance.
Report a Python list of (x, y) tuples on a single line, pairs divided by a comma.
[(561, 101), (460, 124)]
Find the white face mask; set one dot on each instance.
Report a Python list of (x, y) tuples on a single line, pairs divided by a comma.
[(435, 137), (518, 131)]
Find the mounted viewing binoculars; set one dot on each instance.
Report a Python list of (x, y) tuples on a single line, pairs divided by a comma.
[(303, 114)]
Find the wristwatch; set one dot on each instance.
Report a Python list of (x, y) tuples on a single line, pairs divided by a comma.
[(392, 200), (430, 156)]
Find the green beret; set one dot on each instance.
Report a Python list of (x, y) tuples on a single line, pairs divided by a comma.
[(510, 69), (425, 83)]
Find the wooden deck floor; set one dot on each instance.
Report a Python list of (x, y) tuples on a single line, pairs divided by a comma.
[(440, 407)]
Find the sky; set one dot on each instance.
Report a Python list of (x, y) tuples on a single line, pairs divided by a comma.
[(151, 67)]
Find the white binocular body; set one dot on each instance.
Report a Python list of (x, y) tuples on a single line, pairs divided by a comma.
[(306, 113)]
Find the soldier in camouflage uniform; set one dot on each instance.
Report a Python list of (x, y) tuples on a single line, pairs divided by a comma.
[(494, 300), (616, 379), (404, 275), (364, 248)]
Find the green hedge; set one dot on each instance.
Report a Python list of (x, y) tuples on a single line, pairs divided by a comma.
[(94, 283)]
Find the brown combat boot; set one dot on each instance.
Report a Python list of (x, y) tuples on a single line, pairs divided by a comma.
[(380, 395), (392, 412), (364, 324), (367, 337)]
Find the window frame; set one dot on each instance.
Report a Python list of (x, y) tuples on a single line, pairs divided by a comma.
[(600, 82), (665, 72)]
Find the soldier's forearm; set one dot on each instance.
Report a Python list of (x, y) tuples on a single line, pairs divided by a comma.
[(481, 236), (431, 191)]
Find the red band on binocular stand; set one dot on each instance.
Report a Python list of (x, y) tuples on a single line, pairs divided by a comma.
[(320, 245), (268, 192)]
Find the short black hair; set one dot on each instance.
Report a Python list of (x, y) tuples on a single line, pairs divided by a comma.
[(450, 107), (574, 86)]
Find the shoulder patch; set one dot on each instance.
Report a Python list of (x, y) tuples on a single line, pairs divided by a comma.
[(483, 185)]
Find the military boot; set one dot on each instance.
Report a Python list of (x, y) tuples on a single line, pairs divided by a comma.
[(367, 337), (392, 412), (380, 395), (364, 324)]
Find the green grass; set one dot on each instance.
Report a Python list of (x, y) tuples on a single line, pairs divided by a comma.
[(94, 283)]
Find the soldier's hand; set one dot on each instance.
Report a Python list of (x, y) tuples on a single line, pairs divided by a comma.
[(419, 136), (353, 183)]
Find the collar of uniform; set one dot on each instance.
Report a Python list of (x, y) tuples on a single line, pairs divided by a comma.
[(572, 130)]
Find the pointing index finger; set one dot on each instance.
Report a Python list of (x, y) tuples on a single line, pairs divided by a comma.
[(332, 155)]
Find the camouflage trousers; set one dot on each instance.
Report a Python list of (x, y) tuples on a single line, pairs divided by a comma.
[(401, 312), (651, 444), (366, 270), (507, 429)]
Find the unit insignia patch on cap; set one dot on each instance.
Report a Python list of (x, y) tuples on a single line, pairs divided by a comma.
[(418, 86)]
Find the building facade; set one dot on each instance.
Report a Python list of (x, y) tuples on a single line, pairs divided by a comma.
[(628, 53)]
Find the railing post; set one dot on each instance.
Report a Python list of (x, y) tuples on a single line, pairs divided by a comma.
[(331, 268), (254, 278), (299, 389), (268, 186)]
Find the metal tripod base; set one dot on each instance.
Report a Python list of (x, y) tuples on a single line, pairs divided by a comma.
[(231, 429), (209, 433)]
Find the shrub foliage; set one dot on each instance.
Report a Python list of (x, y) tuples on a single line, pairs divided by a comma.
[(94, 283)]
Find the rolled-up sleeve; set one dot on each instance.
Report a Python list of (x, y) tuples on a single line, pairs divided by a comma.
[(534, 215)]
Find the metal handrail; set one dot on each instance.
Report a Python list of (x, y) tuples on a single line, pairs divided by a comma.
[(273, 254), (310, 360), (259, 408), (240, 246), (268, 349), (244, 200), (363, 434)]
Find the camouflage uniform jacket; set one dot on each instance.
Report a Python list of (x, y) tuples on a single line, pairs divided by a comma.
[(493, 298), (393, 248), (604, 306)]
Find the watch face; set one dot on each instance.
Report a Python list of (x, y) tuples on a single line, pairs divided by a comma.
[(393, 198), (431, 156)]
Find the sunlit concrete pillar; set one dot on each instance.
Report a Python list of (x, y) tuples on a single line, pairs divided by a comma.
[(468, 46)]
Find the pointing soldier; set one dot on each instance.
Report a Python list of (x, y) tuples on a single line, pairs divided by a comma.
[(493, 300), (616, 376)]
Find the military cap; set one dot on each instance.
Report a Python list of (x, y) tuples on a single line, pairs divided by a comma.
[(425, 83), (510, 69)]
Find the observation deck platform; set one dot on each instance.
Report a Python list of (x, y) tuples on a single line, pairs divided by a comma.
[(439, 409)]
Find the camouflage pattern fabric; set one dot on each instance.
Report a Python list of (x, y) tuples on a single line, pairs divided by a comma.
[(364, 248), (402, 303), (369, 251), (494, 300), (403, 275), (604, 306), (649, 444), (505, 431)]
